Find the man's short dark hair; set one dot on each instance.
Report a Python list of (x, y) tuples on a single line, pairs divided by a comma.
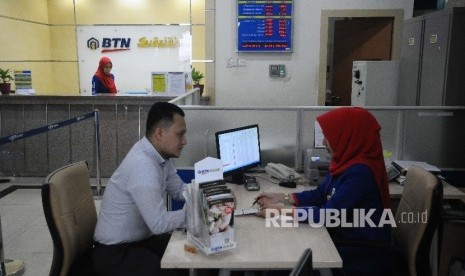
[(161, 114)]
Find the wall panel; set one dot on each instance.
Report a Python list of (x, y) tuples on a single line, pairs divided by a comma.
[(36, 146), (59, 140)]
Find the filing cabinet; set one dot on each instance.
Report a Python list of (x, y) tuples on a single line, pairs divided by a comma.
[(432, 64)]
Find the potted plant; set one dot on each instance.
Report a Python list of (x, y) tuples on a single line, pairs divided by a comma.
[(197, 76), (5, 85)]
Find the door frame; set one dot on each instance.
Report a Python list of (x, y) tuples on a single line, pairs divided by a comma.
[(397, 14)]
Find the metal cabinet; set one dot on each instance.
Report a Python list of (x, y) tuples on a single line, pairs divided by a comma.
[(432, 66), (409, 68)]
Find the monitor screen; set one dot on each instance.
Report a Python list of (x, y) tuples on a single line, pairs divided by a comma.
[(239, 149)]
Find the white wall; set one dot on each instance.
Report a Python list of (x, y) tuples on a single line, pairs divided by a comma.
[(251, 85)]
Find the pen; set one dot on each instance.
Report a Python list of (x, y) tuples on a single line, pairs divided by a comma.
[(256, 200)]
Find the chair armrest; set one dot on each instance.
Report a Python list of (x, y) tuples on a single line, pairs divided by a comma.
[(452, 215)]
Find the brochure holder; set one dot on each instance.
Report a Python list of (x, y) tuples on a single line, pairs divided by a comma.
[(210, 207)]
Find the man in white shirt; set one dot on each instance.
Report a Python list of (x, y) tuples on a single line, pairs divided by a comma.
[(133, 224)]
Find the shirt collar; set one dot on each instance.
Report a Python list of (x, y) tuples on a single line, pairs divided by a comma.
[(151, 149)]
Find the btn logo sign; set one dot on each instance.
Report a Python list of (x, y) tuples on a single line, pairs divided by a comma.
[(115, 44)]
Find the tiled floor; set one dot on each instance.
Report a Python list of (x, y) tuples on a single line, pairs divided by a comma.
[(24, 230)]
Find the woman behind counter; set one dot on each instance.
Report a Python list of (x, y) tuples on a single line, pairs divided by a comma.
[(103, 81), (356, 180)]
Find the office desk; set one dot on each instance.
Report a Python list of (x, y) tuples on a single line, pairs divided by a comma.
[(449, 191), (395, 189), (258, 247)]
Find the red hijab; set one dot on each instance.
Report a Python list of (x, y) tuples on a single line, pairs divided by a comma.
[(353, 135), (106, 79)]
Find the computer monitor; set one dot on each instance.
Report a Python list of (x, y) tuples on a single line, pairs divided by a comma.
[(239, 149)]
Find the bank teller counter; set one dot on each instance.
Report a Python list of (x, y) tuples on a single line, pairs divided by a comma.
[(121, 121)]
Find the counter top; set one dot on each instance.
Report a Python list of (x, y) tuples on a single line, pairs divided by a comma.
[(109, 99)]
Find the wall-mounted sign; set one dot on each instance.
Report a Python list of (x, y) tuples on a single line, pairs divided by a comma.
[(23, 79), (264, 26), (23, 82), (169, 83), (136, 51), (165, 42)]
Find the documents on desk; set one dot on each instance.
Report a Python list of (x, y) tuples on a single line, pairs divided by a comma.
[(210, 208), (403, 166), (246, 211)]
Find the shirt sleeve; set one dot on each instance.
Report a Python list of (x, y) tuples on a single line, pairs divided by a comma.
[(174, 183), (97, 86), (351, 190), (148, 192), (314, 197), (94, 85)]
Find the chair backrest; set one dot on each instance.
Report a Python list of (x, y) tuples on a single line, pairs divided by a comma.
[(417, 218), (304, 266), (70, 213)]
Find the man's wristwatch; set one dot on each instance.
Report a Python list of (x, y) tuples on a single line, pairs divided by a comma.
[(286, 198)]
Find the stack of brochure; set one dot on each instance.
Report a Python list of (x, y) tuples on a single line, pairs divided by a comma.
[(211, 215), (218, 206)]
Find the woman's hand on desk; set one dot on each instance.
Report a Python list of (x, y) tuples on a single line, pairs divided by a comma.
[(273, 198), (269, 198), (274, 203), (279, 211), (273, 209)]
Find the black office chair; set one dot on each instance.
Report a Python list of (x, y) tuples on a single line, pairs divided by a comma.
[(452, 235), (304, 266), (71, 217)]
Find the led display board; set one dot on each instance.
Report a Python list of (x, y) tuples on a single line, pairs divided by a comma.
[(264, 26)]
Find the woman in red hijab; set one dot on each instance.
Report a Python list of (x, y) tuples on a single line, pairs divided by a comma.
[(103, 81), (356, 183)]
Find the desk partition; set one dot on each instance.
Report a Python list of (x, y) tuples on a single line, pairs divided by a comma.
[(435, 136), (431, 134), (278, 136)]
